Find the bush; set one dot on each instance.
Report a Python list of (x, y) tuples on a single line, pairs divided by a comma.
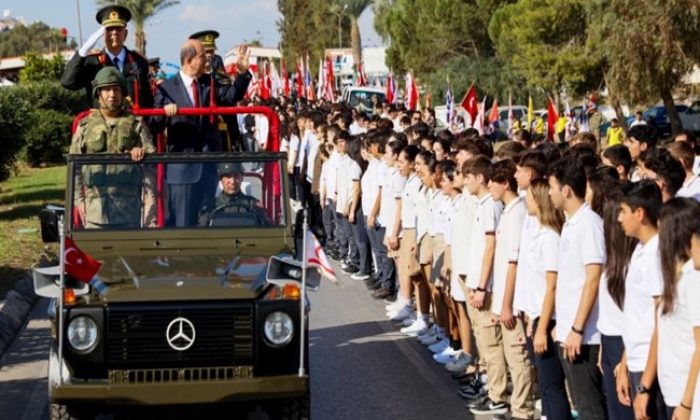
[(47, 138)]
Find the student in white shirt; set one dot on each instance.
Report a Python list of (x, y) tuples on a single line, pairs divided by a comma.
[(640, 139), (538, 265), (683, 152), (344, 194), (678, 324), (639, 211), (667, 172), (511, 352), (355, 168), (326, 190), (482, 247), (581, 258)]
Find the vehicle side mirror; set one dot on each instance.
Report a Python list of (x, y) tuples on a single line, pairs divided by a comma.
[(48, 218), (281, 271)]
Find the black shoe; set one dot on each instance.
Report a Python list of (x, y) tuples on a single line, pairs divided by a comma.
[(351, 269), (383, 293), (488, 407), (463, 377)]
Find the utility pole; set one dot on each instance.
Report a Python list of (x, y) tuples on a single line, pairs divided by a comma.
[(80, 27)]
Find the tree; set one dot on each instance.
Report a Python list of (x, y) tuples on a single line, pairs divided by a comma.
[(37, 37), (141, 11), (354, 9), (37, 68)]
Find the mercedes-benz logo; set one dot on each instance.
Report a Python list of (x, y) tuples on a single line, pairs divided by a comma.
[(180, 334)]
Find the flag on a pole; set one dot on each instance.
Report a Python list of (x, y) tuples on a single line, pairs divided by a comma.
[(493, 115), (470, 103), (449, 103), (510, 113), (390, 89), (411, 92), (316, 257), (361, 78), (286, 88), (530, 113), (552, 117), (330, 80), (300, 78), (308, 83), (79, 264), (321, 86)]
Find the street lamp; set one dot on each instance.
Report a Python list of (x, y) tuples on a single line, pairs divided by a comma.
[(340, 12)]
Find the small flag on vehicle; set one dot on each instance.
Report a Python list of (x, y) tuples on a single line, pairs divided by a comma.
[(316, 257)]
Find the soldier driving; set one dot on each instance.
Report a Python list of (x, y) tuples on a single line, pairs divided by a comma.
[(111, 129), (232, 197), (83, 67)]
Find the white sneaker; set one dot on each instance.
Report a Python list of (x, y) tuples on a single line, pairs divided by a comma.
[(431, 332), (396, 305), (416, 328), (460, 363), (429, 340), (447, 355), (402, 314), (410, 320), (440, 346), (358, 276)]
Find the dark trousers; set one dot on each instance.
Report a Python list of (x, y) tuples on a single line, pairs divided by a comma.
[(656, 409), (298, 184), (292, 186), (347, 242), (359, 234), (328, 217), (586, 383), (183, 204), (612, 348), (550, 374), (387, 266), (373, 246)]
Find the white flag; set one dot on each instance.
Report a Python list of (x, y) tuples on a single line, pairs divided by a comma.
[(316, 257)]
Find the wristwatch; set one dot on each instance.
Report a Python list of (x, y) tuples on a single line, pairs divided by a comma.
[(641, 389)]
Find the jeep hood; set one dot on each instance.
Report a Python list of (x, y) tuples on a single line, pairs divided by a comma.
[(149, 278)]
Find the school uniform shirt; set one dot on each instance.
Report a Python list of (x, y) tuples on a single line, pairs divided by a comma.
[(458, 238), (523, 274), (610, 317), (343, 183), (642, 284), (581, 244), (486, 217), (424, 222), (539, 257), (312, 146), (295, 146), (440, 207), (391, 191), (507, 248), (331, 176), (408, 202), (696, 165), (676, 337), (690, 188), (370, 185)]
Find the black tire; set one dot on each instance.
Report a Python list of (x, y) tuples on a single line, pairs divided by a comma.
[(296, 408), (71, 412)]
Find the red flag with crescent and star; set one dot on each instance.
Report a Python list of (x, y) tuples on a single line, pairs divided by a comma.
[(79, 264), (470, 103)]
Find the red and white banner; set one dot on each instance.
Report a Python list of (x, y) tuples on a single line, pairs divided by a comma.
[(316, 257), (470, 103)]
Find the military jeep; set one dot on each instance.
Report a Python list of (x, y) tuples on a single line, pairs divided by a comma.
[(207, 312)]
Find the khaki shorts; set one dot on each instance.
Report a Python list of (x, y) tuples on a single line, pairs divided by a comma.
[(438, 243), (408, 261), (425, 250)]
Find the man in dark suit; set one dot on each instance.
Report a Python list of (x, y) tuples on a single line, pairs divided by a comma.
[(191, 185), (83, 67)]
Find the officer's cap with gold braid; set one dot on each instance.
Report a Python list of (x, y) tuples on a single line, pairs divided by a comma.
[(206, 38), (110, 16)]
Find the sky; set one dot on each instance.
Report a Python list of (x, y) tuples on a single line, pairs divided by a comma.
[(236, 20)]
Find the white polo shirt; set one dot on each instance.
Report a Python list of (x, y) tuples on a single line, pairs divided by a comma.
[(691, 188), (312, 146), (486, 217), (424, 221), (581, 244), (331, 175), (408, 202), (539, 258), (676, 338), (294, 146), (507, 248), (439, 213), (391, 191), (524, 275), (370, 185), (610, 317), (344, 181), (642, 284), (460, 233)]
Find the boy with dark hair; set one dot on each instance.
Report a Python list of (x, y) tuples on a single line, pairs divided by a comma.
[(668, 173), (618, 156), (581, 258), (639, 213), (640, 139)]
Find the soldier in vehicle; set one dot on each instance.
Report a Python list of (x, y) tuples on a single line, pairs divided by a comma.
[(109, 195), (232, 197)]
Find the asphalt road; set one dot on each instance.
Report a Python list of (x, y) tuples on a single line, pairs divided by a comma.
[(361, 366)]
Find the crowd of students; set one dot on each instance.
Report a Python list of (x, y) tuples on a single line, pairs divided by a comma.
[(566, 271)]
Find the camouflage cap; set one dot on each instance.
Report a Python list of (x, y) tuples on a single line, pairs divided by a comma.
[(108, 76), (228, 168)]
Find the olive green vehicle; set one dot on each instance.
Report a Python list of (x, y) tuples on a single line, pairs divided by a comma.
[(206, 312)]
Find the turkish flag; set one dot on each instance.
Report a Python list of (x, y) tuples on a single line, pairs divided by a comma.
[(79, 264), (470, 103), (552, 117)]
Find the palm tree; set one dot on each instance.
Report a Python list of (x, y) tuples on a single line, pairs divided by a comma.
[(141, 11), (354, 9)]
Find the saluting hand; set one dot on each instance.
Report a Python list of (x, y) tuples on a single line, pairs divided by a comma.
[(243, 62)]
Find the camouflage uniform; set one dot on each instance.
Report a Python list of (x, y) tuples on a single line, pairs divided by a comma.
[(110, 193)]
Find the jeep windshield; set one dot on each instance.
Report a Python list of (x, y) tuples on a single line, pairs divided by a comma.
[(172, 191)]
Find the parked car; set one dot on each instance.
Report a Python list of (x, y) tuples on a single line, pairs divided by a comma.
[(364, 97), (658, 116)]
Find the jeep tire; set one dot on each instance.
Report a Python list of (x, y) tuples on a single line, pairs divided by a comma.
[(296, 408)]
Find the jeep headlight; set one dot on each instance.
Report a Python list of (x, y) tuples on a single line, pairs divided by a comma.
[(82, 334), (279, 329)]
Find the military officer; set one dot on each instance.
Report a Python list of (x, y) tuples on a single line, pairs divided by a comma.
[(215, 66), (82, 68), (112, 195), (232, 197)]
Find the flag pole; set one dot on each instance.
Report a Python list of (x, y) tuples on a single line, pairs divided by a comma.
[(62, 278), (302, 301)]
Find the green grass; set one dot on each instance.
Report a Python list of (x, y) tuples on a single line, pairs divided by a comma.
[(21, 198)]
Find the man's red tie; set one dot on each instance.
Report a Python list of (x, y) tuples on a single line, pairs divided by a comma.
[(195, 94)]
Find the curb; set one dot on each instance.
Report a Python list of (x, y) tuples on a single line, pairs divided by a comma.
[(17, 306)]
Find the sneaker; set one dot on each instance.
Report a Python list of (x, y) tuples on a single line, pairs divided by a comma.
[(431, 339), (401, 314), (440, 346), (488, 407), (430, 332), (382, 293), (359, 276), (351, 269), (447, 355), (418, 326), (473, 390), (460, 363), (409, 321)]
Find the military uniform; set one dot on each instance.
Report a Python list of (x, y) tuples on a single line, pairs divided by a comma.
[(81, 71), (112, 194)]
